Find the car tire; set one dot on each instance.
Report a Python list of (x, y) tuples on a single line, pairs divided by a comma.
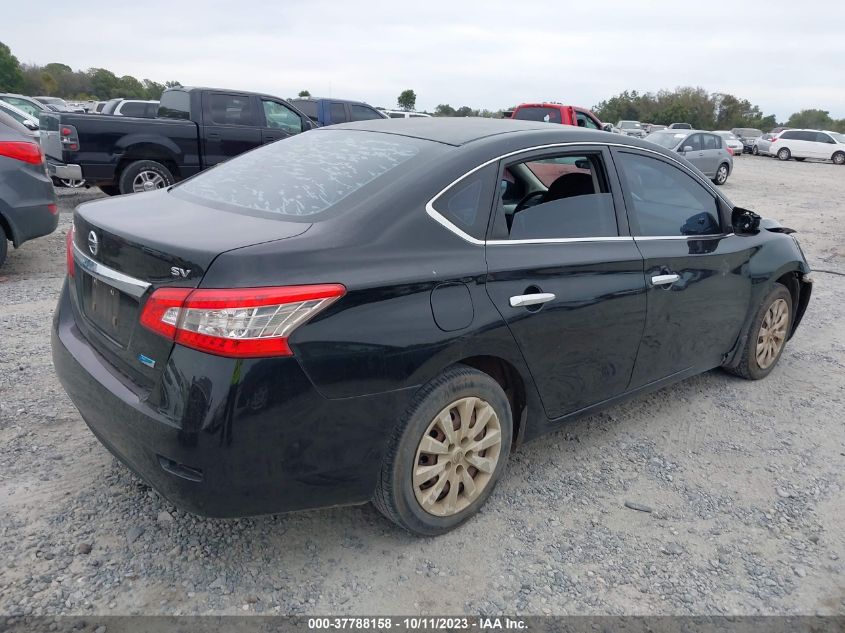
[(144, 175), (784, 154), (755, 151), (110, 190), (460, 397), (767, 335), (4, 245), (722, 174), (838, 158)]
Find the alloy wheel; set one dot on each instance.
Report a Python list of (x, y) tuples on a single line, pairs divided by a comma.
[(457, 456), (148, 181), (722, 174), (839, 159), (72, 183), (772, 334)]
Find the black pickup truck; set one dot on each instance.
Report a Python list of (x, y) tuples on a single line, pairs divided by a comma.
[(196, 128)]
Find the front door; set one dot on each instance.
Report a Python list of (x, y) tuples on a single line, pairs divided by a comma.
[(699, 291), (231, 126), (566, 276), (696, 154), (278, 121)]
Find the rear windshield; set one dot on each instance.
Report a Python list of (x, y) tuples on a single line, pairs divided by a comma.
[(748, 132), (665, 139), (630, 125), (536, 113), (303, 175)]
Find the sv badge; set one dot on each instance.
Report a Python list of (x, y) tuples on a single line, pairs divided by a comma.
[(179, 272)]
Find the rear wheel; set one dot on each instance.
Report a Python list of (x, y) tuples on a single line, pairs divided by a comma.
[(784, 154), (839, 158), (721, 174), (446, 454), (4, 245), (144, 175), (767, 335), (754, 150)]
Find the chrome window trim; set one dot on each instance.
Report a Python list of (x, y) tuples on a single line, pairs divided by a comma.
[(446, 223), (131, 286)]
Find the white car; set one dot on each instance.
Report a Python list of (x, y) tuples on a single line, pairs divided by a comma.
[(404, 114), (801, 144), (731, 141)]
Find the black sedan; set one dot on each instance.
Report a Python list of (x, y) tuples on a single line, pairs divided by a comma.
[(27, 199), (379, 311)]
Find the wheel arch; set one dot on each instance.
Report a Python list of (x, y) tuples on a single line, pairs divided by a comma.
[(146, 150), (8, 229)]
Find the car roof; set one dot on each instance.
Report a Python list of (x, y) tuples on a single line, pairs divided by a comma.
[(459, 131)]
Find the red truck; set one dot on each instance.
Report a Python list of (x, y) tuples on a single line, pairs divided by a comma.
[(557, 113)]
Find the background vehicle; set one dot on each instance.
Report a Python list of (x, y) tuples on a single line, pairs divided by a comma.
[(705, 150), (609, 127), (406, 384), (747, 135), (762, 144), (730, 141), (137, 108), (552, 112), (27, 104), (25, 119), (60, 105), (98, 107), (680, 126), (404, 114), (27, 199), (196, 128), (333, 111), (631, 128), (802, 144)]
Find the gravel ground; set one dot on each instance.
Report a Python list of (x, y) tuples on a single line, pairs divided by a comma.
[(744, 481)]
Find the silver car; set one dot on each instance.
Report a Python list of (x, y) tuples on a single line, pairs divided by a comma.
[(631, 128), (763, 144), (705, 150)]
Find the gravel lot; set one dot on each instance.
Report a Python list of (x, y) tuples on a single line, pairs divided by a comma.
[(745, 480)]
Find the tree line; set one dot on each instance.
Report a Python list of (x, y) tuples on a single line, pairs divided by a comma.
[(703, 110)]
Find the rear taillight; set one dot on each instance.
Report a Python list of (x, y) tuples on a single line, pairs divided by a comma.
[(71, 268), (240, 322), (22, 150), (69, 137), (774, 140), (730, 151)]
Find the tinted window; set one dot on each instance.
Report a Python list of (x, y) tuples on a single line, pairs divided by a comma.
[(133, 108), (548, 115), (307, 107), (231, 109), (467, 203), (789, 135), (396, 115), (302, 176), (280, 117), (337, 113), (666, 201), (362, 113), (175, 104), (710, 141), (573, 202), (821, 137)]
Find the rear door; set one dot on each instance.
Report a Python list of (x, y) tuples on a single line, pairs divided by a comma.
[(278, 120), (231, 125), (711, 146), (566, 276), (695, 267)]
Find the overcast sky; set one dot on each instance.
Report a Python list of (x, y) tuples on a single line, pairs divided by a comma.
[(782, 55)]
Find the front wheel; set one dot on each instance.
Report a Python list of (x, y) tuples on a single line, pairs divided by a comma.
[(144, 175), (767, 335), (839, 158), (755, 151), (446, 454), (784, 154), (721, 174)]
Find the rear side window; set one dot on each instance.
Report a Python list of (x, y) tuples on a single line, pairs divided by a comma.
[(308, 108), (175, 104), (302, 176), (547, 115), (229, 109), (711, 141), (466, 204), (666, 201), (362, 113), (337, 113)]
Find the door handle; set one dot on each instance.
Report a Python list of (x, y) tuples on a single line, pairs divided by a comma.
[(664, 280), (212, 136), (520, 301)]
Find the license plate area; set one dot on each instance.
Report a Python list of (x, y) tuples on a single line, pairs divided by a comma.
[(110, 310)]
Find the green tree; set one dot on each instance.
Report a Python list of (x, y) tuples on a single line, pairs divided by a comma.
[(11, 77), (444, 109), (407, 100), (104, 83), (152, 89), (130, 88), (811, 118), (304, 94), (172, 84)]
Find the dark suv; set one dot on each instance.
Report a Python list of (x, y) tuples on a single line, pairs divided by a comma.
[(333, 111)]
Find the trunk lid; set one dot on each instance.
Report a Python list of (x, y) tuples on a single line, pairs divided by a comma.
[(128, 246)]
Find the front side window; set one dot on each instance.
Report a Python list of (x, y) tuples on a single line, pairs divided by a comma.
[(281, 117), (562, 196), (362, 113), (584, 121), (666, 201), (538, 113), (821, 137), (694, 143), (231, 109), (23, 104)]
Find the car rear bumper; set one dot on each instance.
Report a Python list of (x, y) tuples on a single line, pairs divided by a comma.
[(64, 171), (229, 438)]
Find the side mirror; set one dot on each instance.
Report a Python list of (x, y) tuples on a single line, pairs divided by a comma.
[(307, 124), (30, 125), (744, 221), (687, 148)]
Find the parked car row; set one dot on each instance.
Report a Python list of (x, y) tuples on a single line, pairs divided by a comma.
[(706, 150)]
